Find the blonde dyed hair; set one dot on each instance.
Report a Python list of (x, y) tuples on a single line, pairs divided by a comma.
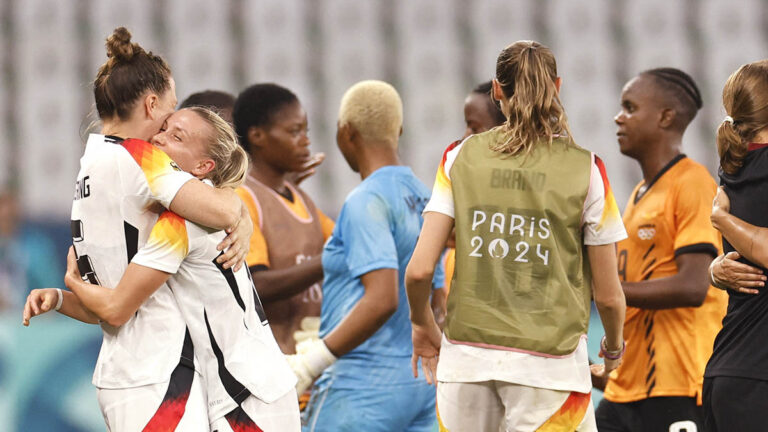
[(374, 109), (527, 71), (231, 161), (745, 99)]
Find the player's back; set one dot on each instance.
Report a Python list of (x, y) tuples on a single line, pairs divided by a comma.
[(233, 341), (112, 214)]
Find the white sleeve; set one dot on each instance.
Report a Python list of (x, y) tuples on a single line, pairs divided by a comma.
[(441, 200), (167, 246), (601, 220)]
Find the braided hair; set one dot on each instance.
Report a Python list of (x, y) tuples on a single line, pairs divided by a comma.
[(681, 93)]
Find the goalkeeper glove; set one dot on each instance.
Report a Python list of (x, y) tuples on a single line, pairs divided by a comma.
[(310, 326), (311, 359)]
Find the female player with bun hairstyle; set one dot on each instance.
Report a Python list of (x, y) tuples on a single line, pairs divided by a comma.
[(247, 379), (739, 362), (536, 225), (142, 378)]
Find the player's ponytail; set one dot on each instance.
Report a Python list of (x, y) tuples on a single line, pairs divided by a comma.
[(745, 99), (527, 71), (127, 75), (231, 160)]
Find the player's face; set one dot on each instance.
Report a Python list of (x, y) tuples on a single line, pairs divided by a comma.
[(286, 147), (166, 104), (639, 117), (183, 137), (477, 115)]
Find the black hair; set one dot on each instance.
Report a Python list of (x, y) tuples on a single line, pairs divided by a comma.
[(494, 106), (682, 91), (218, 100), (256, 106)]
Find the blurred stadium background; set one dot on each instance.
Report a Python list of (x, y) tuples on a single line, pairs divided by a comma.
[(433, 51)]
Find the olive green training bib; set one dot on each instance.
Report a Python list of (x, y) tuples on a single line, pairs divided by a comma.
[(521, 279)]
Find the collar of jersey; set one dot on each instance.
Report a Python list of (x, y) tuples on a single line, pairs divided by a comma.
[(655, 178)]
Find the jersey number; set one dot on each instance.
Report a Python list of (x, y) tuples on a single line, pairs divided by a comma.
[(623, 265), (84, 263)]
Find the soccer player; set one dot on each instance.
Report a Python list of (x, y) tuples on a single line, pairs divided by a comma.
[(536, 226), (289, 229), (248, 382), (364, 321), (141, 380), (736, 378), (672, 314)]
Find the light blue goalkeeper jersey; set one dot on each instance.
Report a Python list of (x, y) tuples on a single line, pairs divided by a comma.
[(377, 229)]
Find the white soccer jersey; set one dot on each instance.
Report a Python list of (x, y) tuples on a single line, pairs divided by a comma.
[(120, 187), (233, 341)]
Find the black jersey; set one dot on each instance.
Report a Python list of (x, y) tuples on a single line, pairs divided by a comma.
[(741, 347)]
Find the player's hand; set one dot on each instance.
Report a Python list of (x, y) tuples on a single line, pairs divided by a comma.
[(311, 359), (599, 376), (310, 328), (308, 169), (39, 301), (426, 346), (237, 243), (721, 206), (727, 273)]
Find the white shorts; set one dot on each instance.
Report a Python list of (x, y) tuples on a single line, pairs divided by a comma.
[(280, 415), (502, 406), (177, 404)]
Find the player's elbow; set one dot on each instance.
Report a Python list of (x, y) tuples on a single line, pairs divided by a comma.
[(417, 273), (695, 294), (115, 317)]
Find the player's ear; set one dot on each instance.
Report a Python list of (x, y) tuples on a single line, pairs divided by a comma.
[(667, 118), (203, 167), (256, 136)]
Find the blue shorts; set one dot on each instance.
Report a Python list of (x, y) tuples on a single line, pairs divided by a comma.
[(409, 408)]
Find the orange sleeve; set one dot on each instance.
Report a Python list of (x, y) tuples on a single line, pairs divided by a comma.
[(326, 223), (692, 208), (258, 254)]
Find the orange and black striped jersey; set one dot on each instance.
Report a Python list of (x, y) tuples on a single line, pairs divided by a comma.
[(667, 349)]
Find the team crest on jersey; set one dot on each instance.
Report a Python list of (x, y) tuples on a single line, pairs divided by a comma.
[(646, 232)]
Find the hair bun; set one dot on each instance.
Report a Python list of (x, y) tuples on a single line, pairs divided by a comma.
[(119, 46)]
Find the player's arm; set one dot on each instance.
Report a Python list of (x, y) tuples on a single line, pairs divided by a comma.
[(45, 300), (220, 209), (419, 274), (115, 306), (749, 240), (727, 273), (687, 288), (609, 299), (278, 284)]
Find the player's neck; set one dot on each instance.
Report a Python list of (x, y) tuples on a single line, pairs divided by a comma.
[(654, 161), (125, 129), (373, 157), (267, 175)]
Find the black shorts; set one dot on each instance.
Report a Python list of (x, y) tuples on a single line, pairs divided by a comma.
[(735, 404), (656, 414)]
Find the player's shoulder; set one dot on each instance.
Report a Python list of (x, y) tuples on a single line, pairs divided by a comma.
[(688, 169)]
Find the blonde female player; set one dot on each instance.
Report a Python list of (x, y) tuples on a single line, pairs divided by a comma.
[(148, 381), (248, 382), (536, 224)]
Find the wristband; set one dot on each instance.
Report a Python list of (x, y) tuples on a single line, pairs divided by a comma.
[(611, 355), (61, 299)]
